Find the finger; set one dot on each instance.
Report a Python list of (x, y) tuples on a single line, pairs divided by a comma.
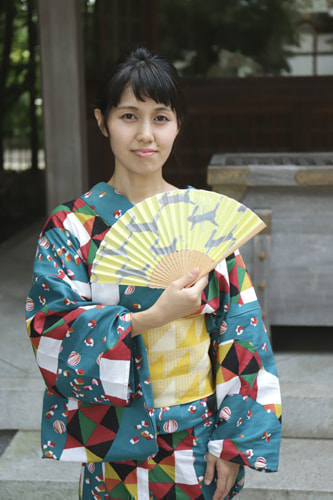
[(202, 282), (222, 488), (225, 481), (226, 486), (210, 470), (221, 491), (188, 278)]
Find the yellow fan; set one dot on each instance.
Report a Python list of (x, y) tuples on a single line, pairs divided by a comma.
[(169, 234)]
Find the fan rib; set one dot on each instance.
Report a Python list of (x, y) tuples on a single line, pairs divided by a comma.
[(167, 235)]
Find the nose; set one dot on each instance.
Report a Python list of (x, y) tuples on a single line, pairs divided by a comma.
[(145, 132)]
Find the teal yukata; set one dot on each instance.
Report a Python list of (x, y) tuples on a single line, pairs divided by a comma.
[(98, 406)]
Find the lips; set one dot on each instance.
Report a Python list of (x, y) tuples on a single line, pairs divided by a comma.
[(144, 153)]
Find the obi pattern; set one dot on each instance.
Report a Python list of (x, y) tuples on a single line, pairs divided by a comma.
[(179, 362)]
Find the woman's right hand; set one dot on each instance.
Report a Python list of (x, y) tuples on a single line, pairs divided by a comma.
[(179, 299)]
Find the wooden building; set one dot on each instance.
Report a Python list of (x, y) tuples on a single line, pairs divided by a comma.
[(285, 114), (226, 115)]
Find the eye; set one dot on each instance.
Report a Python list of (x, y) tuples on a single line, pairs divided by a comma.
[(161, 118), (128, 116)]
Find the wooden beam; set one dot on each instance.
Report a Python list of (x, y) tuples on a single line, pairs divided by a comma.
[(233, 174), (63, 91)]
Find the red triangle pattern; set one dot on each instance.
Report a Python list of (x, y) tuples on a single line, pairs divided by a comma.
[(186, 443), (71, 442), (231, 452), (111, 483), (160, 490), (95, 413), (192, 490), (100, 435)]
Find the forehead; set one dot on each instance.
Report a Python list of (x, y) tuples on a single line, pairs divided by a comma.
[(129, 99)]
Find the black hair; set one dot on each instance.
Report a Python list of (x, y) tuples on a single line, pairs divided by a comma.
[(149, 75)]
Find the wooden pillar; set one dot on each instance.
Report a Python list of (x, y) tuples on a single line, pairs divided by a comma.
[(61, 41)]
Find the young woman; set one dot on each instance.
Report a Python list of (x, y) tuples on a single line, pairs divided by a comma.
[(105, 351)]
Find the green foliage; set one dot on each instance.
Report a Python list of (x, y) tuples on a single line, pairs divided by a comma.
[(14, 84), (259, 29)]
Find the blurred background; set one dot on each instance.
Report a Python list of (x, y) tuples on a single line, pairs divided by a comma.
[(258, 79), (257, 75)]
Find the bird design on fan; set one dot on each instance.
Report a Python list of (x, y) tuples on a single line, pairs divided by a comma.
[(163, 237)]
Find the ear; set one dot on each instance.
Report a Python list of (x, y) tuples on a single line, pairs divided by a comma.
[(179, 127), (100, 122)]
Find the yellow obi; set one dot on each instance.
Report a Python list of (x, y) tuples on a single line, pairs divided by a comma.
[(179, 362)]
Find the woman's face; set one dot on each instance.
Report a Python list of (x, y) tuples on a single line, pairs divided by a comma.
[(141, 134)]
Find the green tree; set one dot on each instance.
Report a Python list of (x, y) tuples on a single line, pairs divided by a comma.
[(19, 75), (259, 29)]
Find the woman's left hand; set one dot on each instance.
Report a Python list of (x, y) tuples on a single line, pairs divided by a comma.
[(226, 475)]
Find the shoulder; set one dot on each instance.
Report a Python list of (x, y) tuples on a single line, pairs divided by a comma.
[(66, 216), (78, 212)]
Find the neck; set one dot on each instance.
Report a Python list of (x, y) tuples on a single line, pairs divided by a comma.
[(138, 188)]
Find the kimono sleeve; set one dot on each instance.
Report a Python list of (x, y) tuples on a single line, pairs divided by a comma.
[(248, 422), (83, 349)]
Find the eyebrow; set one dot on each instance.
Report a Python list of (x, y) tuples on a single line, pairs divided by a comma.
[(135, 108)]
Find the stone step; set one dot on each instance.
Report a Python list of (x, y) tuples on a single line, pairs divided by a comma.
[(305, 473), (307, 394), (23, 474), (306, 384), (21, 403)]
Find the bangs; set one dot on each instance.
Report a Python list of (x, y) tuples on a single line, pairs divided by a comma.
[(149, 76), (148, 82)]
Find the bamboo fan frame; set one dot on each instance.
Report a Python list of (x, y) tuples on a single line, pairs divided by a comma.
[(165, 236)]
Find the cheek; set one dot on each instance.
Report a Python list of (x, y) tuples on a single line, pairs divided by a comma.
[(118, 140), (170, 139), (117, 148)]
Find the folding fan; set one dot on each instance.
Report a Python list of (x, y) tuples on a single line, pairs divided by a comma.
[(163, 237)]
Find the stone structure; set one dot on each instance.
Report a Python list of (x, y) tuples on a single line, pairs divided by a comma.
[(298, 190)]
